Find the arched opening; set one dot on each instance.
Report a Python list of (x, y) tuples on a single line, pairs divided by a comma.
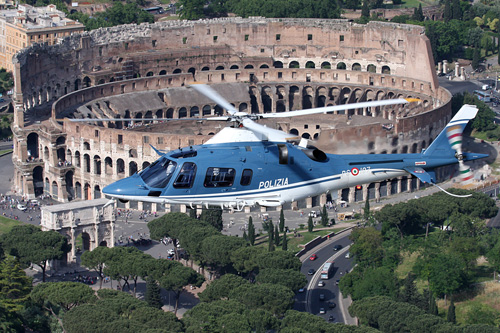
[(356, 67), (70, 190), (78, 190), (371, 68), (294, 64), (145, 165), (86, 192), (108, 166), (219, 68), (149, 74), (310, 64), (97, 165), (183, 112), (249, 67), (86, 163), (386, 70), (77, 159), (55, 190), (278, 64), (38, 180), (61, 157), (264, 66), (341, 66), (177, 71), (326, 65), (97, 192), (86, 82), (163, 72), (132, 167), (32, 146), (194, 112), (234, 67), (86, 241), (120, 167)]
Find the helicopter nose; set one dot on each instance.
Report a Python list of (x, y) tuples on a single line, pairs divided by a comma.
[(125, 187)]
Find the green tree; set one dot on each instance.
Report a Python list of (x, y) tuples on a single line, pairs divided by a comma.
[(476, 57), (278, 260), (286, 277), (367, 247), (447, 15), (451, 317), (366, 210), (96, 260), (324, 217), (282, 221), (418, 14), (245, 260), (153, 294), (365, 10), (277, 239), (6, 81), (410, 294), (456, 10), (15, 286), (310, 225), (270, 297), (251, 231), (31, 245), (190, 9), (213, 217), (433, 309), (220, 288), (284, 245), (217, 250)]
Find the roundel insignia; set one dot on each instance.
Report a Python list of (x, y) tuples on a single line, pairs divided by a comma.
[(354, 171)]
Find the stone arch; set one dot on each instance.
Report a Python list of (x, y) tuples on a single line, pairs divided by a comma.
[(97, 192), (87, 82), (307, 97), (264, 66), (132, 167), (310, 64), (101, 81), (60, 141), (163, 72), (234, 67), (321, 96), (306, 135), (294, 64), (267, 99), (77, 159), (206, 110), (194, 112), (78, 190), (120, 166), (38, 180), (108, 166), (55, 190), (148, 115), (46, 153), (86, 145), (192, 70), (341, 65), (177, 71), (386, 70), (149, 73), (183, 112), (97, 165), (32, 145), (86, 192), (69, 157), (170, 113), (70, 190), (159, 114), (61, 156), (249, 66), (356, 67), (326, 65), (132, 153), (294, 131), (46, 186), (145, 164), (86, 163), (219, 68), (371, 68), (278, 64), (294, 98), (206, 68)]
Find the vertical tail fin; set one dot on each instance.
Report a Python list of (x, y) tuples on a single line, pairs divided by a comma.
[(449, 140)]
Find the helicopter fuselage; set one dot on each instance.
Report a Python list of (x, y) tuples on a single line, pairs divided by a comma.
[(264, 173)]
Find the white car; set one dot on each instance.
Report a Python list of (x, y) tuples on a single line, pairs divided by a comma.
[(21, 207), (322, 310), (321, 283)]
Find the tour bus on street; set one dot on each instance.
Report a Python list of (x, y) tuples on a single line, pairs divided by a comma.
[(327, 270)]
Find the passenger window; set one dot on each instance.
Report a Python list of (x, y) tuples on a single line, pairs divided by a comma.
[(185, 178), (246, 177), (219, 177)]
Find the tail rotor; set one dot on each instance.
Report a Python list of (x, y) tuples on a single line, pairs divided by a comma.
[(455, 138)]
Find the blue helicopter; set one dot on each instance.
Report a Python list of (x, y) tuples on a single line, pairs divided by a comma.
[(250, 164)]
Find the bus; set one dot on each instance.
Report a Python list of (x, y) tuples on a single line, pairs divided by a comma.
[(483, 95), (327, 270)]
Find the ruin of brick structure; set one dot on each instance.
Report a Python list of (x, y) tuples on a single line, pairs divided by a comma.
[(260, 65)]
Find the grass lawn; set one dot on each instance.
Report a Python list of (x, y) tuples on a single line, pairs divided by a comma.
[(7, 224), (5, 151), (294, 242)]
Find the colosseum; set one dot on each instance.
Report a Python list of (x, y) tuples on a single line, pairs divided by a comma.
[(142, 73)]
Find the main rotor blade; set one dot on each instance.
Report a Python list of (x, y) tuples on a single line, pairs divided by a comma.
[(76, 120), (214, 96), (266, 133), (339, 108)]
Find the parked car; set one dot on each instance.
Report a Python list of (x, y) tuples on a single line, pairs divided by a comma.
[(332, 305), (331, 318), (311, 271), (315, 213), (322, 310), (313, 257)]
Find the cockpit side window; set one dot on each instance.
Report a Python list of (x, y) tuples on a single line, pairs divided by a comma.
[(158, 174), (219, 177), (246, 177), (185, 179)]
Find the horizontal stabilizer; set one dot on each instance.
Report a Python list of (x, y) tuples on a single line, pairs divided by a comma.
[(424, 176)]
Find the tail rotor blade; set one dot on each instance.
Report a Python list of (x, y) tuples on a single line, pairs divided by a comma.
[(466, 176)]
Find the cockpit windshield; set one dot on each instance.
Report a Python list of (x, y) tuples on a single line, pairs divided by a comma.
[(158, 174)]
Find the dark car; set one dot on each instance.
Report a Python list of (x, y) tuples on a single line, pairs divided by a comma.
[(331, 318), (332, 305), (311, 271), (337, 247), (321, 297)]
